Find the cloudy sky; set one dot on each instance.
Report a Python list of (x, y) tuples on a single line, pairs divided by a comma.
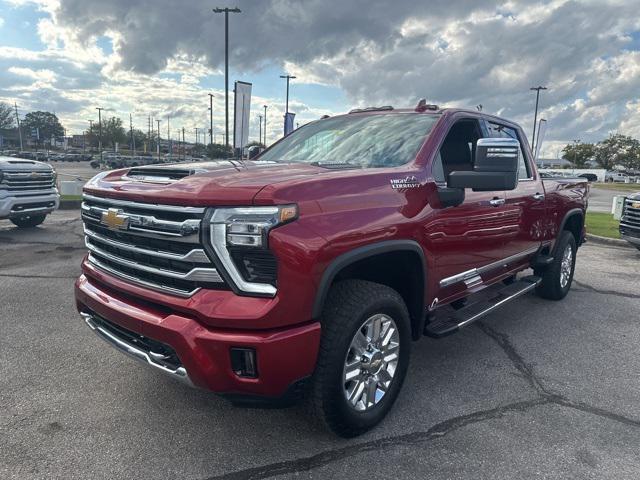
[(162, 57)]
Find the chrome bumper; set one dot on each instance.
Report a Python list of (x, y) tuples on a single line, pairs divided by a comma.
[(179, 373)]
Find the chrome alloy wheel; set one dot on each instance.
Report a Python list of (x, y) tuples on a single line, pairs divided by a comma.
[(565, 266), (371, 362)]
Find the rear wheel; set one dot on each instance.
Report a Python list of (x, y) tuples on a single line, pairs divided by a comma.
[(557, 277), (363, 358), (29, 221)]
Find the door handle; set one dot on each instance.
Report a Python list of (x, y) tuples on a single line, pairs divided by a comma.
[(496, 202), (538, 196)]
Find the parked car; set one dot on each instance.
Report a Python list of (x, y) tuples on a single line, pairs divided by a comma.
[(630, 220), (28, 191), (615, 176), (313, 267)]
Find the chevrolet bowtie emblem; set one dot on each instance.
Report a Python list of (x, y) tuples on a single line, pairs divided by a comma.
[(115, 218)]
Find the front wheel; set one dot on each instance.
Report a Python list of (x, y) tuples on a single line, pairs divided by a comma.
[(28, 221), (363, 358), (557, 277)]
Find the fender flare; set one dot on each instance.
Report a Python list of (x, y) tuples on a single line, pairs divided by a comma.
[(569, 214), (360, 253)]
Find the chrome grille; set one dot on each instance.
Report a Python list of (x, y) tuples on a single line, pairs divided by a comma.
[(23, 181), (630, 215), (155, 246)]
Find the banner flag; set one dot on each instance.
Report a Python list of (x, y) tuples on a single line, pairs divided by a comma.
[(241, 111), (288, 123)]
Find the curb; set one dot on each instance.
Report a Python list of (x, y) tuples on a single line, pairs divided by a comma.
[(607, 241), (69, 204)]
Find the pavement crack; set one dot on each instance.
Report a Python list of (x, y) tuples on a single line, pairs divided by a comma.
[(600, 412), (330, 456), (525, 369), (605, 292)]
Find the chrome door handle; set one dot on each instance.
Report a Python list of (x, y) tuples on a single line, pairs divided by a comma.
[(538, 196), (496, 202)]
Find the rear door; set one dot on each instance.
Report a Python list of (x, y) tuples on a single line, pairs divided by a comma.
[(525, 206)]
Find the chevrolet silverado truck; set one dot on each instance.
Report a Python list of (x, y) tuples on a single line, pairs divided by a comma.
[(310, 270), (630, 220), (28, 191)]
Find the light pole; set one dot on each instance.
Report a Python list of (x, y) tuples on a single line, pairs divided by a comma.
[(265, 126), (260, 131), (288, 77), (210, 118), (576, 142), (158, 145), (100, 133), (226, 12), (535, 116)]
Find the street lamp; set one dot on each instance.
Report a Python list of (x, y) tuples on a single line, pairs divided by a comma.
[(265, 126), (535, 115), (100, 133), (288, 77), (226, 12)]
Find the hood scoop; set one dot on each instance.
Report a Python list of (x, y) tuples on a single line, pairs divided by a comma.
[(160, 174)]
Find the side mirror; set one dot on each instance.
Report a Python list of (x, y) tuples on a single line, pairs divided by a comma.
[(495, 167)]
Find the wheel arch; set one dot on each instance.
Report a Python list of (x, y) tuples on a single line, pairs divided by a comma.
[(573, 222), (405, 271)]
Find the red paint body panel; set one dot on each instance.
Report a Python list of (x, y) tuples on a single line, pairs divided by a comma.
[(339, 211)]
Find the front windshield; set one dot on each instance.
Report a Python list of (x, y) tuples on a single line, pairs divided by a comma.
[(366, 141)]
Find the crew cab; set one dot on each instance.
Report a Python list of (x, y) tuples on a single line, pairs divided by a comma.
[(311, 270), (28, 191), (630, 220)]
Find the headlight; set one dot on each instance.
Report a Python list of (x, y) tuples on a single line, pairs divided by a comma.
[(249, 226), (239, 238)]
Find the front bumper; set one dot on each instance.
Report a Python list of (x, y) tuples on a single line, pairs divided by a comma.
[(632, 240), (285, 356), (12, 206)]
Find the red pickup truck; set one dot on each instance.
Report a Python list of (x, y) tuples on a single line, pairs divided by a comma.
[(310, 270)]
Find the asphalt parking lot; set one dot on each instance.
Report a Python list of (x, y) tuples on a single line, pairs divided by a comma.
[(539, 389)]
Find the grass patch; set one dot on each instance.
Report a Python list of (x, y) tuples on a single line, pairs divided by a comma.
[(70, 198), (618, 187), (602, 224)]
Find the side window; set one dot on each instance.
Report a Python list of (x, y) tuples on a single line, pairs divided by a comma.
[(456, 152), (501, 131)]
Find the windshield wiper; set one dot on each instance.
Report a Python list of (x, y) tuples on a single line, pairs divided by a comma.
[(335, 165)]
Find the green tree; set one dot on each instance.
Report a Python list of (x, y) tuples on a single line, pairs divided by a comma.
[(6, 115), (112, 132), (255, 142), (47, 123), (579, 154), (618, 150), (218, 150)]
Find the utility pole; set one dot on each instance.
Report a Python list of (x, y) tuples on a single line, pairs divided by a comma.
[(148, 133), (288, 77), (90, 132), (575, 151), (132, 146), (15, 104), (265, 126), (260, 134), (226, 12), (100, 133), (158, 142), (184, 146), (210, 118), (170, 145), (535, 116)]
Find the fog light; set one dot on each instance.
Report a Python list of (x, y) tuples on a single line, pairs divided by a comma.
[(243, 362)]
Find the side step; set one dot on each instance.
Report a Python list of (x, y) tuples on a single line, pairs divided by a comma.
[(450, 322)]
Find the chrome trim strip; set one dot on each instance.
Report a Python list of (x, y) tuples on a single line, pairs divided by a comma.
[(179, 373), (195, 256), (141, 233), (218, 242), (143, 283), (470, 274), (147, 206), (194, 275), (31, 210), (162, 227)]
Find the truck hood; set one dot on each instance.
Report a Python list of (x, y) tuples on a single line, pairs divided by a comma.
[(20, 164), (220, 182)]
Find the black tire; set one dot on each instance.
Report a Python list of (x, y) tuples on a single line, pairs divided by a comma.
[(552, 287), (29, 221), (349, 305)]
